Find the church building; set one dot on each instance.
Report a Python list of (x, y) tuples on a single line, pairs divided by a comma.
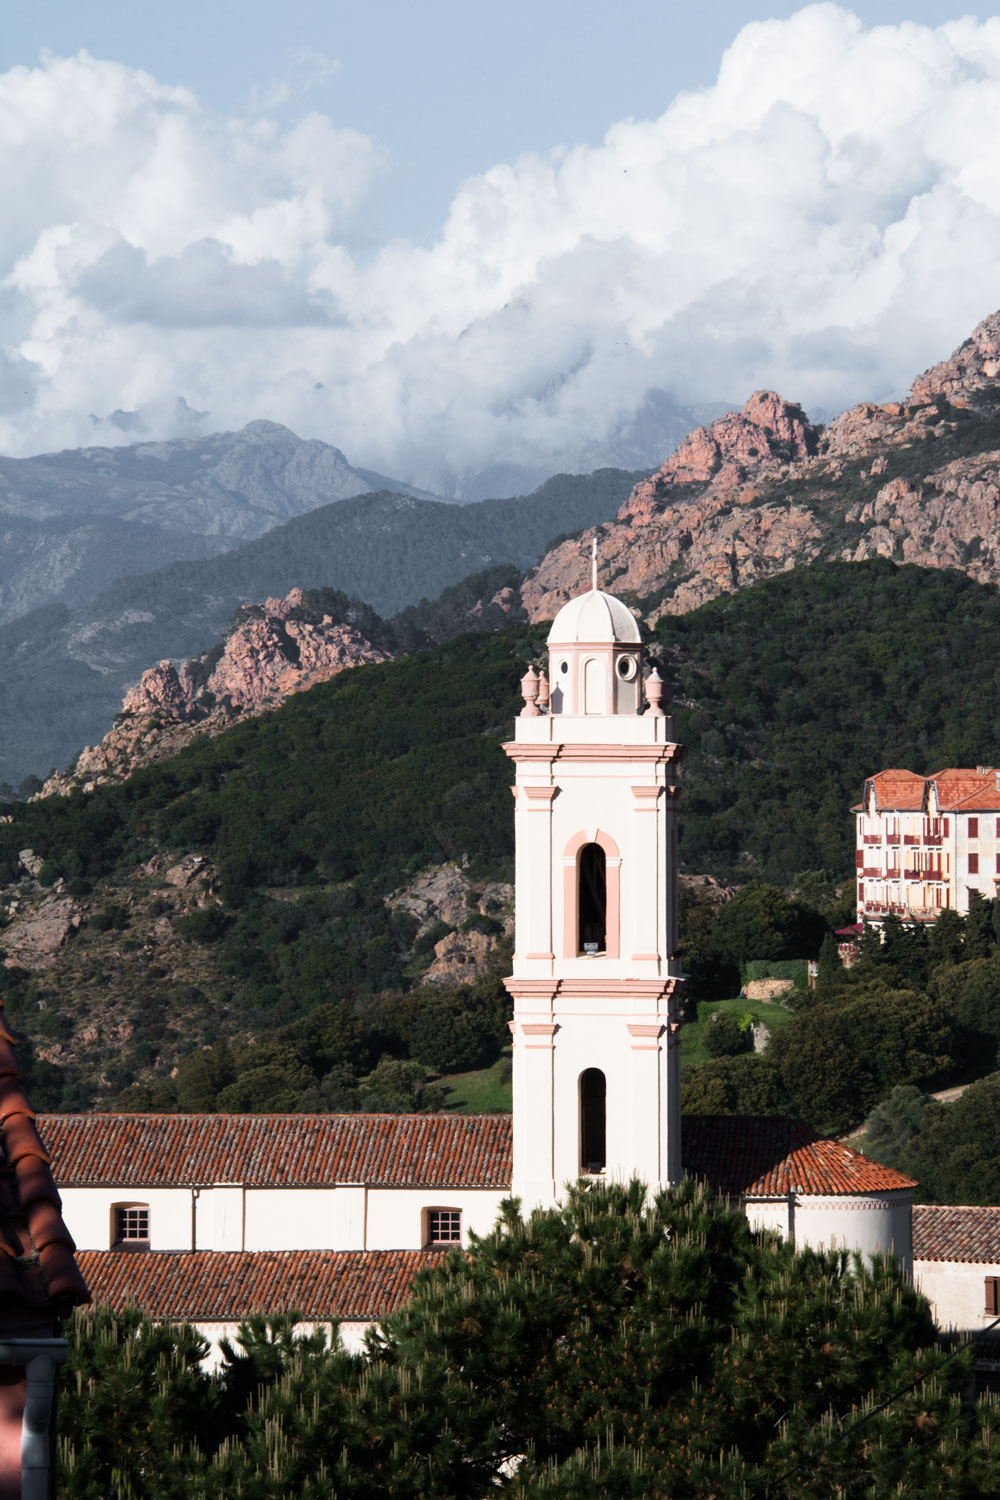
[(208, 1218)]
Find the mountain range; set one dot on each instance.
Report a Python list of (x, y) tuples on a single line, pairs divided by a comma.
[(64, 670), (72, 522)]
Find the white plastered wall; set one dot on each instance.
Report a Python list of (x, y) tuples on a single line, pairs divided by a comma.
[(870, 1224), (229, 1217), (397, 1216), (88, 1214), (956, 1291)]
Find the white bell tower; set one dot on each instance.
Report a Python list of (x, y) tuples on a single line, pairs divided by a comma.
[(595, 985)]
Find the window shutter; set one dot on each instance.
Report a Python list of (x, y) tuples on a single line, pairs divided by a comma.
[(993, 1296)]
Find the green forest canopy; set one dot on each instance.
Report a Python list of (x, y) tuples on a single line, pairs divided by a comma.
[(788, 694)]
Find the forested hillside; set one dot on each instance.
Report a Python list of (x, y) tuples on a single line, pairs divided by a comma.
[(788, 695)]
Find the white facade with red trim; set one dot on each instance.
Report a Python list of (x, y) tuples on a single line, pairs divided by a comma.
[(925, 843), (595, 983)]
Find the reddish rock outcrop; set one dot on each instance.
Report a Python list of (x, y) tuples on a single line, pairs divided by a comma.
[(275, 649), (761, 491), (975, 364)]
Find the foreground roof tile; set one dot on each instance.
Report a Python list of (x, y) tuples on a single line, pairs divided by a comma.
[(37, 1265)]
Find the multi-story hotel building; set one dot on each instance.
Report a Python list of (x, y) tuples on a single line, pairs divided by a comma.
[(924, 843)]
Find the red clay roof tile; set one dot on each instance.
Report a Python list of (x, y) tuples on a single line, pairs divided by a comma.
[(758, 1156), (41, 1272), (971, 1235), (21, 1139), (223, 1286), (280, 1150), (737, 1155)]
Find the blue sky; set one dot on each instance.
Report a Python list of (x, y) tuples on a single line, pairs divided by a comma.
[(449, 235), (448, 87)]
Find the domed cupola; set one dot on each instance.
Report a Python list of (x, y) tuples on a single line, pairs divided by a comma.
[(595, 657)]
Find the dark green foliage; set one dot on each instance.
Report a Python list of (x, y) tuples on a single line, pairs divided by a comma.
[(205, 926), (811, 682), (112, 917), (723, 1035), (615, 1347), (761, 923), (893, 1125), (840, 1057), (952, 1149), (745, 1085)]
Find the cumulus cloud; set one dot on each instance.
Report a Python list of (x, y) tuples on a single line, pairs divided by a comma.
[(823, 220)]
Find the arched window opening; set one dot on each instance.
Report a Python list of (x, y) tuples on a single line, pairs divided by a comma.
[(592, 905), (593, 1107)]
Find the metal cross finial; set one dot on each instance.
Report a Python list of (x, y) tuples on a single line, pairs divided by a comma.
[(593, 565)]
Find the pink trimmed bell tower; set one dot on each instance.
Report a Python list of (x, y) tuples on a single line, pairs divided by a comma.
[(596, 1026)]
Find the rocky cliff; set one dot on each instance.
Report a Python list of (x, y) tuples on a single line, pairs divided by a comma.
[(762, 490), (275, 649)]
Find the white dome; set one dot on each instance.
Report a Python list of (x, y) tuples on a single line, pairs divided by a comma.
[(594, 618)]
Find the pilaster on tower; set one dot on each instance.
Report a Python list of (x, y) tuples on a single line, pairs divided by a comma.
[(596, 978)]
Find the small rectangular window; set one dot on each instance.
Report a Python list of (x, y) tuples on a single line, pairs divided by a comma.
[(132, 1225), (444, 1226), (973, 864), (973, 828), (993, 1296)]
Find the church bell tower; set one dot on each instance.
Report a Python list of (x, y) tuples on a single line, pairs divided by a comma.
[(596, 1026)]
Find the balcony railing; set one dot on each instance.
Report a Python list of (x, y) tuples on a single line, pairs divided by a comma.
[(911, 838), (932, 838), (892, 838), (872, 872), (873, 838), (913, 874)]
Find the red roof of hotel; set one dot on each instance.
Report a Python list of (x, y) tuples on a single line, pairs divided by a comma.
[(963, 1234), (227, 1285), (761, 1156), (37, 1264), (738, 1155), (959, 789), (280, 1150), (897, 789)]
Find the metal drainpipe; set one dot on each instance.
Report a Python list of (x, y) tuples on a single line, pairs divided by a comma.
[(195, 1195)]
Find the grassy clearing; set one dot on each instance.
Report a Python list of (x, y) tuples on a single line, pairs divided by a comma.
[(483, 1091), (692, 1050)]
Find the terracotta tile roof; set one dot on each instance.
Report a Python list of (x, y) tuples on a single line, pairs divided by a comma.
[(226, 1285), (959, 789), (965, 1234), (37, 1264), (738, 1155), (896, 789), (280, 1150), (757, 1156)]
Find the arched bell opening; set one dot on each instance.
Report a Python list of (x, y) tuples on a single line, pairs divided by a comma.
[(592, 900), (593, 1122)]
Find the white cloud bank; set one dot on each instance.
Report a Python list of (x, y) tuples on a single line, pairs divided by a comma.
[(824, 220)]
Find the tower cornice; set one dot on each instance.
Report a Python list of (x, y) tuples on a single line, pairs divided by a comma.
[(657, 754)]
